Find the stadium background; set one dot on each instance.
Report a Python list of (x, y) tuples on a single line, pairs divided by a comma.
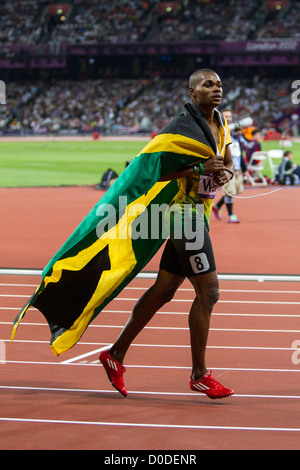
[(80, 78), (121, 68)]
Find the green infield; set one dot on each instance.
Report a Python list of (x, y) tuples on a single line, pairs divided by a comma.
[(56, 163)]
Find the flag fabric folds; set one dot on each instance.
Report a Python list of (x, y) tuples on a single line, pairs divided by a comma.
[(105, 252)]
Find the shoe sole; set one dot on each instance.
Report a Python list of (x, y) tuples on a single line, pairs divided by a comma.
[(214, 398), (220, 398)]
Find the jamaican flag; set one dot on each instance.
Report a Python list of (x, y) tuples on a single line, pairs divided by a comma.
[(105, 252)]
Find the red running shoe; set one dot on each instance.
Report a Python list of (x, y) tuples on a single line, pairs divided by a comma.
[(114, 371), (210, 387), (217, 212)]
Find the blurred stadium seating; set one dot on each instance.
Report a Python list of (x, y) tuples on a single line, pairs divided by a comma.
[(121, 66)]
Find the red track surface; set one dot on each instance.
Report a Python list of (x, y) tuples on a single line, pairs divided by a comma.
[(68, 403)]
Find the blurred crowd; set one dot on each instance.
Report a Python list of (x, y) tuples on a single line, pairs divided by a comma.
[(288, 27), (114, 21), (194, 20), (35, 21), (135, 106)]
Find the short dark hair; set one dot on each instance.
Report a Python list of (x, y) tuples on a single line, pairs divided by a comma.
[(195, 77)]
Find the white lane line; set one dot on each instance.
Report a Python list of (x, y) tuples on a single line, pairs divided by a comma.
[(150, 425), (129, 299), (14, 295), (136, 392), (82, 356), (90, 353), (96, 363), (241, 291), (150, 345), (153, 275), (6, 284), (135, 299), (182, 289), (179, 328), (270, 315)]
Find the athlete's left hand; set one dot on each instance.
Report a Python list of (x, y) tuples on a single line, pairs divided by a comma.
[(222, 177)]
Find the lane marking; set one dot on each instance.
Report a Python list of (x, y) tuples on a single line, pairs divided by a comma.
[(179, 328), (137, 392), (150, 425), (135, 299), (91, 343), (270, 315), (141, 366), (153, 275), (219, 301), (182, 289)]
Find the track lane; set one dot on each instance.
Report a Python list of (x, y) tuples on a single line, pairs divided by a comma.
[(257, 364)]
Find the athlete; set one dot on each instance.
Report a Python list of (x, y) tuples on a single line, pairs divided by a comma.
[(235, 186), (197, 184)]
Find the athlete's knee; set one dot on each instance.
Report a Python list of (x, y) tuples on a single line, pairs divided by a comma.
[(165, 289), (208, 294), (212, 296), (167, 293)]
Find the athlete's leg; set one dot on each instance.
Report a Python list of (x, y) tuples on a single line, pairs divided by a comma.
[(152, 300), (207, 294)]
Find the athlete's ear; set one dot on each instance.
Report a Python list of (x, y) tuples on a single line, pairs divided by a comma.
[(192, 92)]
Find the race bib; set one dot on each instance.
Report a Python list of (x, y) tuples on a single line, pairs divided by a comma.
[(199, 263), (205, 189)]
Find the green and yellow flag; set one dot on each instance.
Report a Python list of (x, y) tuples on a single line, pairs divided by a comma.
[(105, 252)]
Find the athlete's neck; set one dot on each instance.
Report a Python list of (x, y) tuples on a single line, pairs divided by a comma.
[(208, 113)]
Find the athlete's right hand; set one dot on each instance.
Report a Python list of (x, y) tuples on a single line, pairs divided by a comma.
[(213, 165)]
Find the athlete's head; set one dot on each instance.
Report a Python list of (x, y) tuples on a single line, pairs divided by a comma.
[(205, 88)]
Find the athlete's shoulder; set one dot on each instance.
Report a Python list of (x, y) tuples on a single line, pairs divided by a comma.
[(184, 124)]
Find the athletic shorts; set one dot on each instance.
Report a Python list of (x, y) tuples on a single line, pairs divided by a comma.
[(177, 259), (235, 186)]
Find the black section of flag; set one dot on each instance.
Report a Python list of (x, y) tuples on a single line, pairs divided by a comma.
[(64, 301), (192, 124)]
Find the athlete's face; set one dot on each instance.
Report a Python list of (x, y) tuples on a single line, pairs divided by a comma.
[(208, 91)]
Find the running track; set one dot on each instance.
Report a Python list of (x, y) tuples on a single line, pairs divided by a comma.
[(68, 403)]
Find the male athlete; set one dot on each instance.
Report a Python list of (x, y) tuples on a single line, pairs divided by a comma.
[(197, 185), (236, 186)]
